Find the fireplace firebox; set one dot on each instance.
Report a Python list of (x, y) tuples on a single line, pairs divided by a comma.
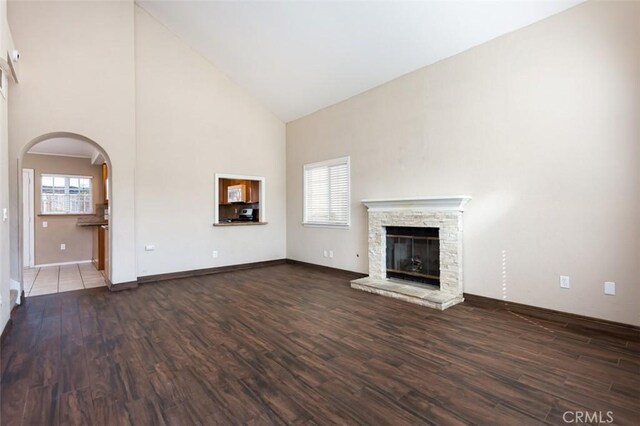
[(413, 253)]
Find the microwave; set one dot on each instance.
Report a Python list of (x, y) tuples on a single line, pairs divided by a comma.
[(237, 194)]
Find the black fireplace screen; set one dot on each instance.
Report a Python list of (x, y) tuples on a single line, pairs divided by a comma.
[(413, 254)]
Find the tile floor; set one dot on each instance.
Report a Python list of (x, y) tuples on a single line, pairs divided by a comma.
[(57, 279)]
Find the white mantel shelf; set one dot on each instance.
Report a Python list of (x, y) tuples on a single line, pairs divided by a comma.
[(449, 203)]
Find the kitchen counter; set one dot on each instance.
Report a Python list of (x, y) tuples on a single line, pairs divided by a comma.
[(92, 221)]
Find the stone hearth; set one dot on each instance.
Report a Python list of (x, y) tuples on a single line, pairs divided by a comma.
[(444, 213)]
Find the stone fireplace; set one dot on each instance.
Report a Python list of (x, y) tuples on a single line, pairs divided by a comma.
[(415, 250)]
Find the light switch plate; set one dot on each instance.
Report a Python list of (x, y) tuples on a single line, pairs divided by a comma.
[(45, 224), (610, 288), (149, 247), (565, 282)]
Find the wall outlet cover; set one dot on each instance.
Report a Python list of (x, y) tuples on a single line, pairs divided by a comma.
[(330, 254), (45, 224), (149, 247), (215, 254), (565, 282), (63, 246)]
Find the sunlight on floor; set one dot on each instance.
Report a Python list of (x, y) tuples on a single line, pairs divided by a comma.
[(58, 279)]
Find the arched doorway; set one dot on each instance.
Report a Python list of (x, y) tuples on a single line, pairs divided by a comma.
[(58, 145)]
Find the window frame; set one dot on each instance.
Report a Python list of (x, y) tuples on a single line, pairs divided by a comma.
[(346, 160), (67, 178), (4, 82)]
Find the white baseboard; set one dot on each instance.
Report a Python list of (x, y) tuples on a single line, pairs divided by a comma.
[(44, 265), (15, 285)]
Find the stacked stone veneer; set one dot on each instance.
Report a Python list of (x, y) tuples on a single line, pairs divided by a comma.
[(448, 222)]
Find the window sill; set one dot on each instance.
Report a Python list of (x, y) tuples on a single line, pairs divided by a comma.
[(239, 223), (326, 225)]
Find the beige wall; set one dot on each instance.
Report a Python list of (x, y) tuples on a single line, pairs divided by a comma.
[(77, 75), (193, 122), (4, 179), (541, 127), (168, 120), (61, 229)]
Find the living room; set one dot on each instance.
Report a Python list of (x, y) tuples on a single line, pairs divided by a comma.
[(445, 198)]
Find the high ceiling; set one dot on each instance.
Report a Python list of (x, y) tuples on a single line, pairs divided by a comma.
[(300, 56)]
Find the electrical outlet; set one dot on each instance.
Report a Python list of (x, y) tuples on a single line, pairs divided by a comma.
[(215, 254), (63, 246), (564, 281), (325, 253), (45, 224), (610, 288), (149, 247), (330, 254)]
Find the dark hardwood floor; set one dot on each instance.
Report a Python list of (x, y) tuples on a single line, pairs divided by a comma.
[(290, 344)]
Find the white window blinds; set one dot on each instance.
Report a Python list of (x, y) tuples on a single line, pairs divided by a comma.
[(65, 194), (326, 192)]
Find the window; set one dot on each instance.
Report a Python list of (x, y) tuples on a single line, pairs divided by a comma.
[(61, 194), (326, 193)]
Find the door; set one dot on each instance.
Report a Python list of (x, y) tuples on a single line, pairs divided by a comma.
[(28, 218)]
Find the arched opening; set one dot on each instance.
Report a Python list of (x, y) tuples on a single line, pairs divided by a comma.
[(70, 192)]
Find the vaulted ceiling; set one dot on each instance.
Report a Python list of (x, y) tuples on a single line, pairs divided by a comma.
[(300, 56)]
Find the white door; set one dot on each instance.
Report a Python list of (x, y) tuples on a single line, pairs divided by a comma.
[(27, 218)]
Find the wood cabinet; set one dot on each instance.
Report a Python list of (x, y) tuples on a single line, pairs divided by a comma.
[(107, 260), (105, 184), (100, 250), (98, 255), (252, 188)]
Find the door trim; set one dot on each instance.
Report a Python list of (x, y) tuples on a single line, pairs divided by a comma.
[(31, 211)]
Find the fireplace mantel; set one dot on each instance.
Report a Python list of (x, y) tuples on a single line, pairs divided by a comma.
[(449, 203)]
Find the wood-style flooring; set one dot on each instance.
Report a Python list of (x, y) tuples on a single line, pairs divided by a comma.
[(290, 344)]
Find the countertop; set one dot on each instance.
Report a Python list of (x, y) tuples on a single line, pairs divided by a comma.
[(92, 221)]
